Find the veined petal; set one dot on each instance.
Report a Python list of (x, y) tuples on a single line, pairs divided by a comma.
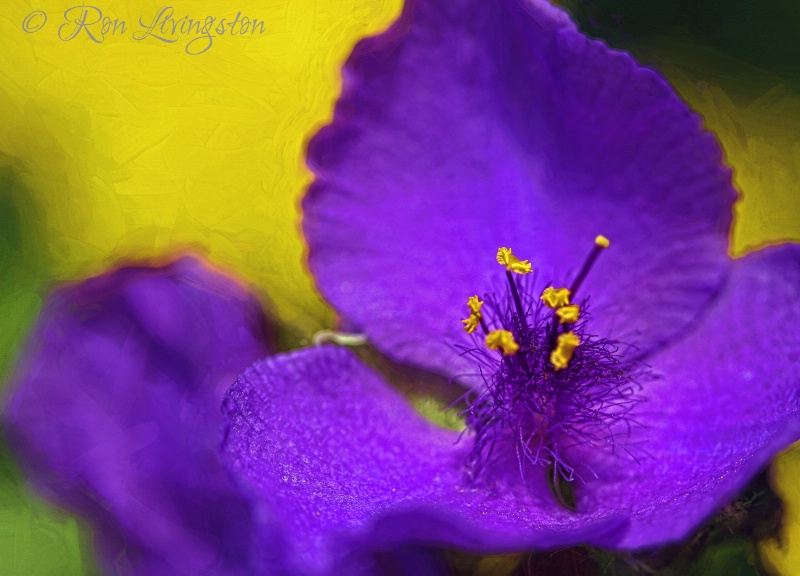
[(115, 414), (471, 126), (340, 466), (727, 403)]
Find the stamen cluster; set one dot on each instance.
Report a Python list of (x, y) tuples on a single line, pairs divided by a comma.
[(530, 403)]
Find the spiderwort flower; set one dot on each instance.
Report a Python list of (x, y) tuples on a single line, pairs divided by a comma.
[(471, 126)]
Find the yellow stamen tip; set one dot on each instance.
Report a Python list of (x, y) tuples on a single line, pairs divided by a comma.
[(474, 304), (470, 324), (502, 340), (512, 263), (568, 314), (602, 242), (555, 297), (565, 347)]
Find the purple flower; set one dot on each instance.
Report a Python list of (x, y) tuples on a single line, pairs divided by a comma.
[(464, 128), (115, 414)]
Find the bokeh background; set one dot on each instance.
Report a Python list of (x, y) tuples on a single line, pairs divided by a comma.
[(128, 150)]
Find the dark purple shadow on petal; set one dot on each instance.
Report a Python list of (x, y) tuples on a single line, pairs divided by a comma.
[(342, 467), (115, 414), (466, 127), (728, 402)]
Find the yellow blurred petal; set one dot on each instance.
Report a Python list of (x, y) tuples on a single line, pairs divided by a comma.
[(783, 557), (132, 149), (757, 121)]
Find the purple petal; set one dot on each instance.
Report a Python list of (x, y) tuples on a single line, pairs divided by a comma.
[(335, 456), (728, 402), (116, 414), (341, 466), (467, 127)]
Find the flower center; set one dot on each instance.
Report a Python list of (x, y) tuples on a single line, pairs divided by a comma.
[(549, 388)]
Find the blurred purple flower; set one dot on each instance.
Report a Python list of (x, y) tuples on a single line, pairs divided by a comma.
[(115, 414)]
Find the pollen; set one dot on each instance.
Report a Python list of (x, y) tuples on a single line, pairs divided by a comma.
[(565, 347), (512, 263), (555, 297), (502, 340), (474, 304), (471, 323), (602, 242), (474, 320), (568, 314)]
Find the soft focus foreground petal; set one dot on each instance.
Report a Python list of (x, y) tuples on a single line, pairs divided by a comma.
[(728, 402), (468, 127), (115, 413), (341, 467)]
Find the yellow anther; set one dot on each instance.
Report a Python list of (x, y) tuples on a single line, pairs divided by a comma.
[(568, 314), (602, 242), (502, 340), (474, 320), (555, 297), (471, 323), (565, 346), (474, 305), (511, 262)]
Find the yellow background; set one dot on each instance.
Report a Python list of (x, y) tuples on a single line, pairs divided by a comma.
[(129, 149)]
